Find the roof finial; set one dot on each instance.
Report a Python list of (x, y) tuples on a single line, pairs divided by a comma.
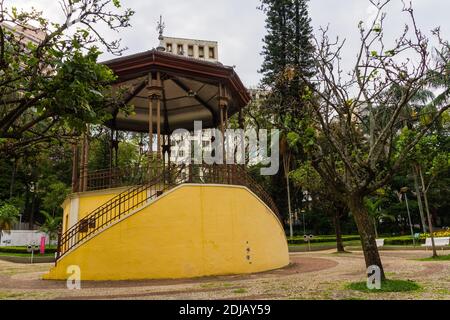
[(160, 28)]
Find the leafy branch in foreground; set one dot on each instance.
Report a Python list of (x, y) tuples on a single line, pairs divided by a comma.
[(50, 82)]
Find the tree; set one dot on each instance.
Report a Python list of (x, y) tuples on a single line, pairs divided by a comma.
[(287, 55), (430, 160), (373, 206), (51, 225), (358, 114), (306, 176), (51, 87), (54, 196), (8, 217)]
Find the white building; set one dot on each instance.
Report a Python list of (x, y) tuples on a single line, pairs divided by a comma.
[(197, 49)]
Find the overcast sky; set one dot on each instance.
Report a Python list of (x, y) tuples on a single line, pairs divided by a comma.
[(239, 27)]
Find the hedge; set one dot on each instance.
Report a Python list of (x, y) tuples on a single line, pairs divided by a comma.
[(51, 249), (400, 240), (322, 239), (403, 241)]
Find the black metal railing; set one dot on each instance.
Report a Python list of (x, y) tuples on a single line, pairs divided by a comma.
[(121, 176)]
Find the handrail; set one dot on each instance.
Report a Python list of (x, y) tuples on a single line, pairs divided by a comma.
[(114, 209), (121, 176), (135, 197)]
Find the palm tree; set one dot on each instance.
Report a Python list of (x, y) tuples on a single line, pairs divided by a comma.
[(51, 225), (373, 207), (8, 218)]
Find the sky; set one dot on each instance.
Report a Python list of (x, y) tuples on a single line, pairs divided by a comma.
[(239, 26)]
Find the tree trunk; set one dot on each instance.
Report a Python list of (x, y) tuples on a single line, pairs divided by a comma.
[(366, 231), (375, 227), (419, 198), (13, 178), (33, 208), (337, 227), (291, 230), (430, 224)]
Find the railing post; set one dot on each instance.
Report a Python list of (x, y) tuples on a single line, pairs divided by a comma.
[(58, 246), (191, 173)]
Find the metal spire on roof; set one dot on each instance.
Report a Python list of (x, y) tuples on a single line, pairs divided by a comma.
[(160, 28)]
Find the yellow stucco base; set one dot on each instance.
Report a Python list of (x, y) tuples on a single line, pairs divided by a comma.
[(191, 231)]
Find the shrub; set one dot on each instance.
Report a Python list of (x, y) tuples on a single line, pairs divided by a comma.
[(322, 239), (443, 233), (50, 249)]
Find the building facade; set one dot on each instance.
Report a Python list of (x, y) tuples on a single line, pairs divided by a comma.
[(197, 49)]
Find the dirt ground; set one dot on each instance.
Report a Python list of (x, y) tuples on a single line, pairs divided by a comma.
[(314, 275)]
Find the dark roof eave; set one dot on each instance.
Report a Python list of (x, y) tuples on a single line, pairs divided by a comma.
[(133, 64)]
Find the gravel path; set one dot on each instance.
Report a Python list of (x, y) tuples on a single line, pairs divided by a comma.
[(314, 275)]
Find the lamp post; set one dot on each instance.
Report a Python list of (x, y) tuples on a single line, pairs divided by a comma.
[(404, 192)]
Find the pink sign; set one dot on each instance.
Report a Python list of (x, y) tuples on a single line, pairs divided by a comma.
[(42, 245)]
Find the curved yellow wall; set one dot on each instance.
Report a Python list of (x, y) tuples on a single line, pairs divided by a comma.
[(192, 231)]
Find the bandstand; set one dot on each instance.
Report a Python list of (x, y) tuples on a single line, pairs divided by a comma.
[(167, 220)]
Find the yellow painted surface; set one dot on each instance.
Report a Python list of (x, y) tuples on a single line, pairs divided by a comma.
[(88, 201), (192, 231)]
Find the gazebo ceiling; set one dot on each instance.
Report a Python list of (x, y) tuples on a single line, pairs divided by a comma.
[(190, 91)]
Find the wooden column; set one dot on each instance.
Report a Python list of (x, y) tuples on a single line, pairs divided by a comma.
[(223, 106), (158, 126), (111, 158), (169, 148), (150, 127), (155, 93)]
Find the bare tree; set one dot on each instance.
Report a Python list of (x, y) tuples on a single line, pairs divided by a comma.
[(359, 115)]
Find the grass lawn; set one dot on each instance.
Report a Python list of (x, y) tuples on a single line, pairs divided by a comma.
[(386, 286), (439, 258)]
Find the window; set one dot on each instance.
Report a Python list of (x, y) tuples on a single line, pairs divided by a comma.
[(211, 53), (190, 51), (180, 50), (181, 153), (205, 144), (201, 51), (169, 47)]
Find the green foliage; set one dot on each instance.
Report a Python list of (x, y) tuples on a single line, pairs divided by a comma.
[(322, 239), (438, 258), (306, 176), (287, 54), (23, 250), (51, 225), (54, 196), (50, 89), (373, 206), (386, 286), (9, 215)]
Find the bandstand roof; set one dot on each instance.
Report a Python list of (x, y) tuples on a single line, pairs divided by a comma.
[(190, 90)]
